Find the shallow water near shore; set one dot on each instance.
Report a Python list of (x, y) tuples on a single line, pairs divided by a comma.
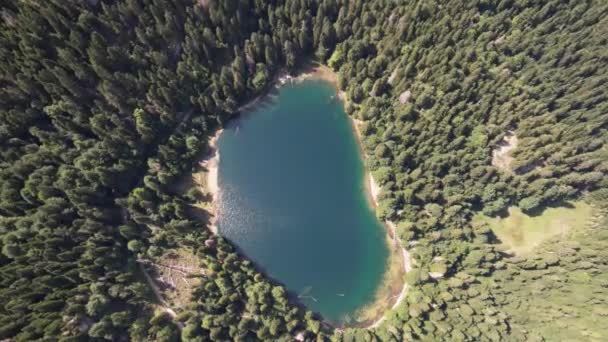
[(293, 199)]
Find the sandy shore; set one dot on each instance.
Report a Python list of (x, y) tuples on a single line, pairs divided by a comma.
[(211, 166), (323, 72)]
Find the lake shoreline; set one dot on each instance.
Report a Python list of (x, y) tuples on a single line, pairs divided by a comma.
[(399, 262), (210, 165), (393, 285)]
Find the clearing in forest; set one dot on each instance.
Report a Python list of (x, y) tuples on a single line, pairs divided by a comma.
[(521, 233), (176, 275), (501, 158)]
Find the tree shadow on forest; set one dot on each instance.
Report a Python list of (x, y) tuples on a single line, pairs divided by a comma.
[(200, 214), (493, 238), (502, 213), (538, 211)]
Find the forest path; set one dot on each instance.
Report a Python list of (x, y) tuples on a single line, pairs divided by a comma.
[(163, 305)]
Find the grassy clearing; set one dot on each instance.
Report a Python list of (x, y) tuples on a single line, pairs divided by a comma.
[(558, 292), (521, 233), (177, 274)]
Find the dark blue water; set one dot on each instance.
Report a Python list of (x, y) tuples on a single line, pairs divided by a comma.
[(293, 199)]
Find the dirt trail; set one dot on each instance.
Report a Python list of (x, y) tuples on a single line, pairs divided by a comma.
[(159, 296)]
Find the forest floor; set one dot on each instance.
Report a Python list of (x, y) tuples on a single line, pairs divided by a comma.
[(520, 233), (178, 273), (501, 158), (172, 279), (162, 304)]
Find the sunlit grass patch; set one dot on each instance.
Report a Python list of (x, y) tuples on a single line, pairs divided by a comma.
[(521, 233)]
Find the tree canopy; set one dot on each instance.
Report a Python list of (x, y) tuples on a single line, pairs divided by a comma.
[(105, 104)]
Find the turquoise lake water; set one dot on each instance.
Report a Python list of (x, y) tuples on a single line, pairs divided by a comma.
[(293, 199)]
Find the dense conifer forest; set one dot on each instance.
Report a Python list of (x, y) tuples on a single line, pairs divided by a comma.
[(106, 104)]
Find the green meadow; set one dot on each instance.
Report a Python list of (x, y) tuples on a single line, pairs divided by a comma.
[(520, 233)]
